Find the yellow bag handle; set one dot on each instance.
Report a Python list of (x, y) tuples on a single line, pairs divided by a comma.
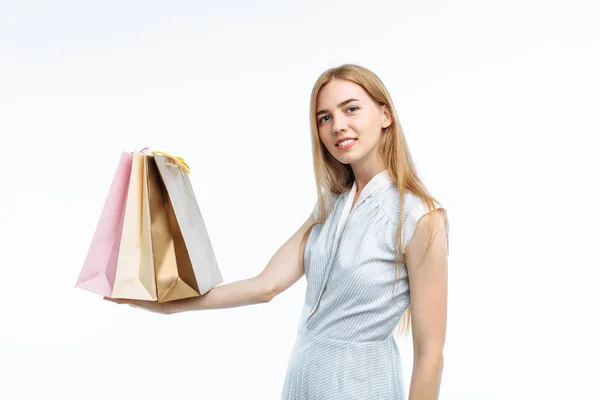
[(179, 160)]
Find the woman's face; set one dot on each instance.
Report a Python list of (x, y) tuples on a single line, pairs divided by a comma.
[(345, 110)]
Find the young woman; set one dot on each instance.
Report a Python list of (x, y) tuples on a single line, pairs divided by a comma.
[(375, 244)]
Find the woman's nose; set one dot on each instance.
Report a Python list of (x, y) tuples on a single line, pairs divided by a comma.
[(339, 125)]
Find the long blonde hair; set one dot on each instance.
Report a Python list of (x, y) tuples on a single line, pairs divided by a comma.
[(332, 177)]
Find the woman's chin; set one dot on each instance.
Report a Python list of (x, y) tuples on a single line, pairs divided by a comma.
[(348, 159)]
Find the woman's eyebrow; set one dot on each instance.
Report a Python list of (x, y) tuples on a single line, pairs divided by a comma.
[(342, 104)]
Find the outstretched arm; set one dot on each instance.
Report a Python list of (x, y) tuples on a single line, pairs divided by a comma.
[(428, 277), (281, 272)]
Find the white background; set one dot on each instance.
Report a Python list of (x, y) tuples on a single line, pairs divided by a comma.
[(499, 103)]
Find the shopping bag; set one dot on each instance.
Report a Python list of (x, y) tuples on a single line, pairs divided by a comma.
[(98, 272), (186, 212), (175, 278), (135, 276)]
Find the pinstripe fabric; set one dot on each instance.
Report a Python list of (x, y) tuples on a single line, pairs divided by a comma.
[(345, 347)]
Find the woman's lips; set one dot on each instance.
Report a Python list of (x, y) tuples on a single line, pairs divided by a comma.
[(346, 145)]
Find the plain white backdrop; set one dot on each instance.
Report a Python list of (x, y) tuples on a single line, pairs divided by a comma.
[(499, 103)]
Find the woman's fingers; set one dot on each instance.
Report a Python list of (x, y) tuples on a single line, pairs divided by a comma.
[(117, 301), (146, 305)]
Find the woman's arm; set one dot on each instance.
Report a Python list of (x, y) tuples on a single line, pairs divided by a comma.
[(428, 280), (281, 272)]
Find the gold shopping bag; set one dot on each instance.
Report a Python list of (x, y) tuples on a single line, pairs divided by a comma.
[(175, 278)]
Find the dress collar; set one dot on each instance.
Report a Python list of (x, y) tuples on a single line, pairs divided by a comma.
[(378, 181)]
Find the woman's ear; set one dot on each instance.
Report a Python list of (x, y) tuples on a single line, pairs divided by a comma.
[(387, 118)]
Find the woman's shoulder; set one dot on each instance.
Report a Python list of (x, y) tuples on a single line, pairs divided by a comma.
[(388, 200), (414, 209), (331, 200)]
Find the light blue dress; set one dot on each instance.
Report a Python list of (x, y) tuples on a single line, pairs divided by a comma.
[(345, 347)]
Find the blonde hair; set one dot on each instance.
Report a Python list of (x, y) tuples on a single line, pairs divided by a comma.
[(332, 177)]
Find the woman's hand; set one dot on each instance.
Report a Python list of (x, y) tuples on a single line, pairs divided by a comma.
[(152, 306)]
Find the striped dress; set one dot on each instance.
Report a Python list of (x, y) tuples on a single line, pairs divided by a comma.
[(345, 347)]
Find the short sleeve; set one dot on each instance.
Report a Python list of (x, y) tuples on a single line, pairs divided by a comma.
[(410, 225)]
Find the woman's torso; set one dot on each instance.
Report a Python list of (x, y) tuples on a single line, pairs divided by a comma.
[(354, 292)]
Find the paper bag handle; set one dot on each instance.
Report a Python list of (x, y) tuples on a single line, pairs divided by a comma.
[(179, 160)]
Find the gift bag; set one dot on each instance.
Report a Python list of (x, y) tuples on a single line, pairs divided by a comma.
[(175, 278), (98, 272), (188, 219), (135, 277), (151, 242)]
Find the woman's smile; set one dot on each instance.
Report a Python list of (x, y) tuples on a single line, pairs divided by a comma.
[(346, 144)]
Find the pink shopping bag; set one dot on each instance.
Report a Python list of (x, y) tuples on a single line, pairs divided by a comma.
[(98, 272)]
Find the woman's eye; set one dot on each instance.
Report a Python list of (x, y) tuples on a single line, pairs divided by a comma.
[(322, 119), (352, 109)]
